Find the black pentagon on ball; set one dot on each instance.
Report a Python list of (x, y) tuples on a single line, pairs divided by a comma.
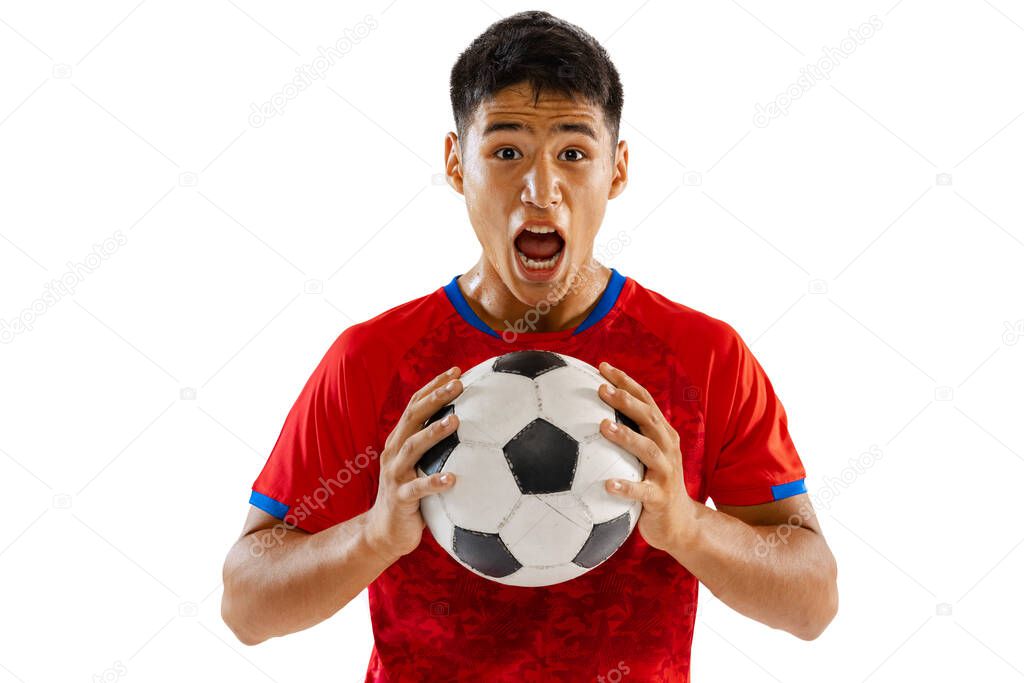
[(434, 459), (484, 552), (604, 539), (623, 419), (531, 364), (542, 458)]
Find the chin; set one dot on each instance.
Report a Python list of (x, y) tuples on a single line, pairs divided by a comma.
[(551, 289)]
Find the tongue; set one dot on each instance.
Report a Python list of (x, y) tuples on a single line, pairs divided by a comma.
[(539, 247)]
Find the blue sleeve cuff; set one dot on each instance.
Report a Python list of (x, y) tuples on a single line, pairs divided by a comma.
[(272, 507), (793, 488)]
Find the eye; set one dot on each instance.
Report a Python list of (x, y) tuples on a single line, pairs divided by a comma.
[(505, 157), (578, 152)]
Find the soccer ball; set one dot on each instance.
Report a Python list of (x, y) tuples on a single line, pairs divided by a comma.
[(529, 507)]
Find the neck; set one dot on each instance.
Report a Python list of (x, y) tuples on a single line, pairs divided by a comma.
[(562, 306)]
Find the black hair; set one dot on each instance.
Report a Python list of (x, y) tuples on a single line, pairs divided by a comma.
[(549, 53)]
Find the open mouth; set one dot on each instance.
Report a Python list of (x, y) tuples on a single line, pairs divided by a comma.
[(539, 248)]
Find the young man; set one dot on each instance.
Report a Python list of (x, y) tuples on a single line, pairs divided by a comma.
[(336, 508)]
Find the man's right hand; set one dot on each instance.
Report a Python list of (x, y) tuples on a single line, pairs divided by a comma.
[(394, 525)]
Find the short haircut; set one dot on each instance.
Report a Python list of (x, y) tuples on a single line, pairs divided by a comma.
[(549, 53)]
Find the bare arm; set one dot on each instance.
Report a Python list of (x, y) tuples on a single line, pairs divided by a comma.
[(279, 579), (768, 562)]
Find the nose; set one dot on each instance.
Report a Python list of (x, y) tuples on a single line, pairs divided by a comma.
[(542, 184)]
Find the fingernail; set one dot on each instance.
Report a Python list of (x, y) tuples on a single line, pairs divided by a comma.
[(446, 419), (617, 485), (450, 386), (444, 478), (451, 371), (610, 389), (613, 427)]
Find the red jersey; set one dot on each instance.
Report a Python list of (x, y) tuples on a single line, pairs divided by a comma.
[(632, 616)]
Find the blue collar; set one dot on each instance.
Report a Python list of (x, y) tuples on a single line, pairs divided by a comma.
[(604, 304)]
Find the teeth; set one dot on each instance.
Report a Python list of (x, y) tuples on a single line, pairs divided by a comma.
[(531, 264), (540, 229)]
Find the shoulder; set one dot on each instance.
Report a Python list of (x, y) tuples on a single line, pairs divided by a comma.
[(381, 340), (681, 327)]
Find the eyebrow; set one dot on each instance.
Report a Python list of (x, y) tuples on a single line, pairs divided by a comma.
[(583, 128)]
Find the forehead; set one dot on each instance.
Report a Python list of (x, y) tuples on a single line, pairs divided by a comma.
[(517, 103)]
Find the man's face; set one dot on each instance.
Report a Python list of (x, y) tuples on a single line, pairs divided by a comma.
[(550, 162)]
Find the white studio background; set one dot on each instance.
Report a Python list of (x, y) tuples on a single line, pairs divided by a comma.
[(868, 244)]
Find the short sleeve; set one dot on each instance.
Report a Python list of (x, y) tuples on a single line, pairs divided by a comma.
[(319, 472), (757, 462)]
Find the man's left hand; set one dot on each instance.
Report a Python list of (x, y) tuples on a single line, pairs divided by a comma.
[(668, 518)]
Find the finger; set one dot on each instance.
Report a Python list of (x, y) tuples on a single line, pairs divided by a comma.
[(400, 432), (445, 376), (643, 491), (427, 401), (628, 404), (646, 416), (412, 491), (428, 405), (639, 445), (623, 381), (418, 444)]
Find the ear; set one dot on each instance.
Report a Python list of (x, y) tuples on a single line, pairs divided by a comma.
[(620, 172), (453, 161)]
